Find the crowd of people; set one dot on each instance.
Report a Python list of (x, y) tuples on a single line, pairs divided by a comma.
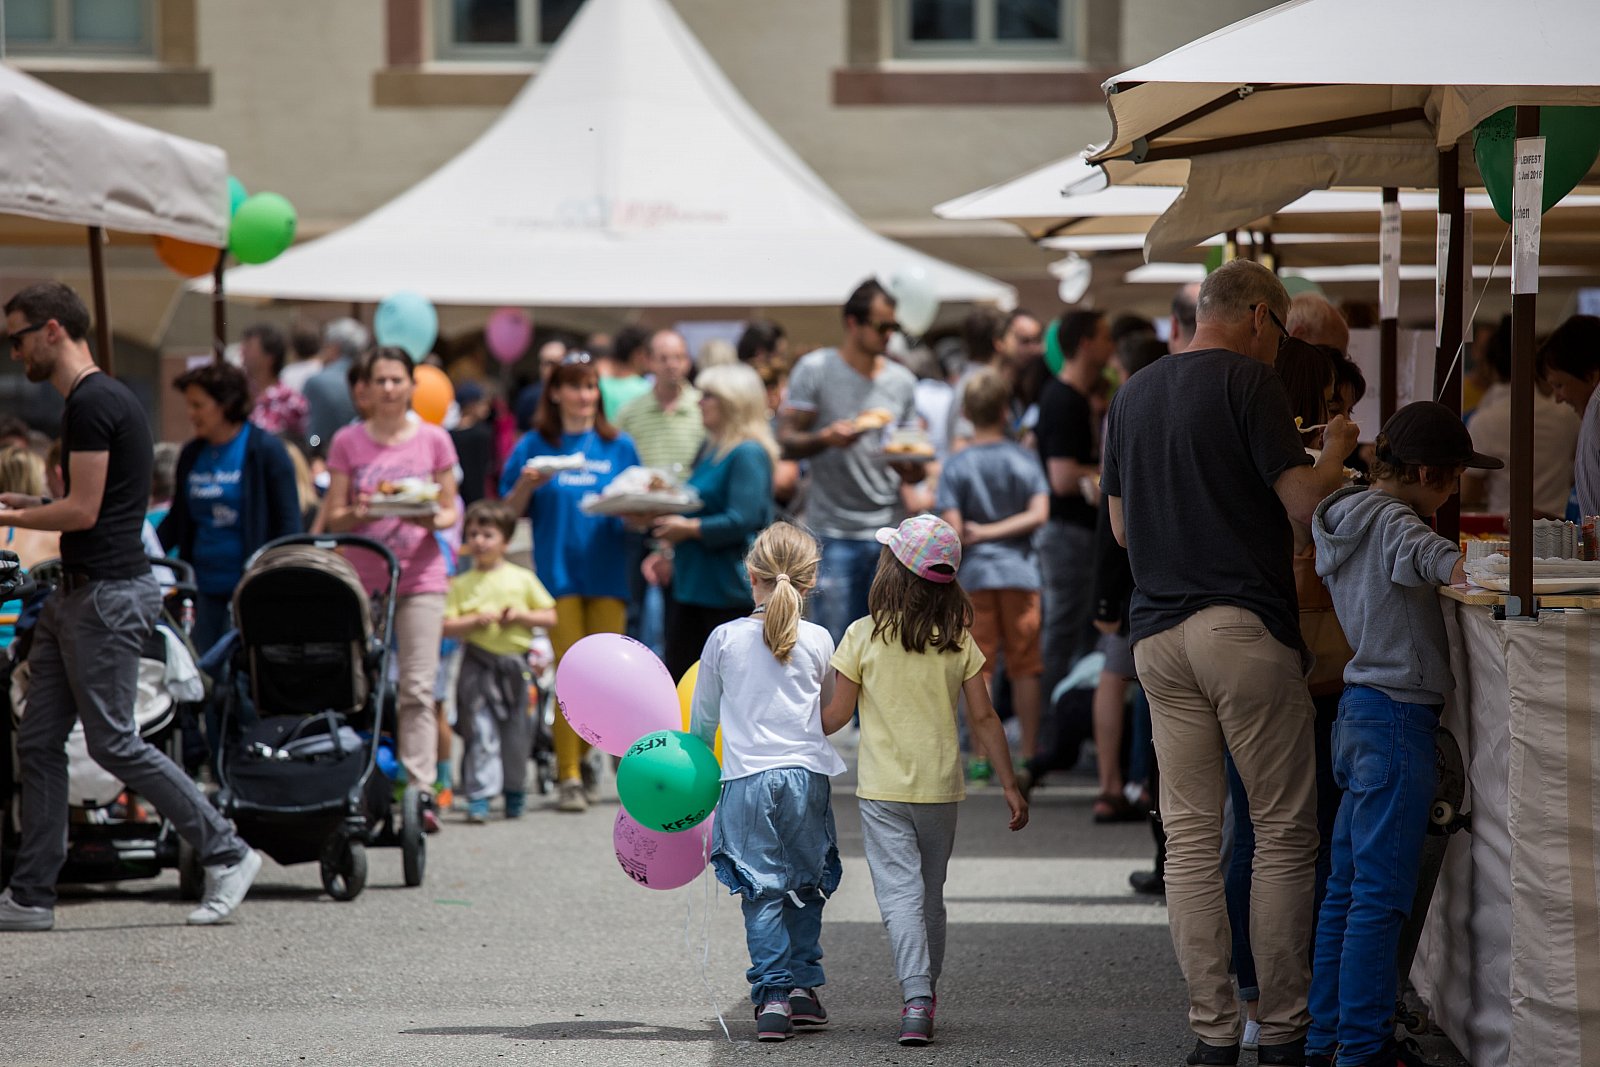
[(1163, 555)]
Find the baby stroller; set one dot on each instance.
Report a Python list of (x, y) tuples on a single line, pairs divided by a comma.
[(112, 834), (302, 714)]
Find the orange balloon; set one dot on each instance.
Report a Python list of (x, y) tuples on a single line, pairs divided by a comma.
[(432, 395), (185, 257)]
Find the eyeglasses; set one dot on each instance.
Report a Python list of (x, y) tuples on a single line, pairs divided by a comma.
[(575, 359), (1273, 315), (16, 338)]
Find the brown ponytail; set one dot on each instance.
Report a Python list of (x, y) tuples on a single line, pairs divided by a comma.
[(785, 557)]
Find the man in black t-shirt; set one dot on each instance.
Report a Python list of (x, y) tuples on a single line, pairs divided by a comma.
[(1071, 458), (1203, 469), (84, 662)]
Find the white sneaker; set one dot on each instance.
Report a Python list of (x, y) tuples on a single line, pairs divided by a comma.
[(15, 916), (572, 798), (1252, 1035), (225, 890)]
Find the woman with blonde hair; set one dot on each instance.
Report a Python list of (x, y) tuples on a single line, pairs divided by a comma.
[(703, 555), (764, 679), (21, 471)]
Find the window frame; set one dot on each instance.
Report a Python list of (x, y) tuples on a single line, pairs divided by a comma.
[(527, 50), (984, 47), (65, 47)]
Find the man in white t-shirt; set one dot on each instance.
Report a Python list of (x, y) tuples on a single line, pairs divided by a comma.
[(1555, 440)]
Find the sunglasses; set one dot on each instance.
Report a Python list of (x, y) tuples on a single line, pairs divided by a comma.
[(16, 338), (576, 359), (1273, 315), (884, 328)]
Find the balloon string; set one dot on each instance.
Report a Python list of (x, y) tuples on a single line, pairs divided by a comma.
[(1461, 348), (705, 939)]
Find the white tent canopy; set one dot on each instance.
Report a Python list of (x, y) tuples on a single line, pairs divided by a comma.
[(628, 173), (1317, 93), (63, 162)]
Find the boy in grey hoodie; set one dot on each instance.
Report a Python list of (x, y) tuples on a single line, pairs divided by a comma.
[(1382, 563)]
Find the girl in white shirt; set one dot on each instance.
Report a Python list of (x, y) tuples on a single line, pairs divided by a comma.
[(764, 680)]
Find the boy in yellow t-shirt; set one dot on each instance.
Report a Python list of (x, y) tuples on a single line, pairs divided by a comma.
[(494, 607), (906, 664)]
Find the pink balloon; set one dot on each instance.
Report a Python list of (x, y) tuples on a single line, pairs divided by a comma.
[(614, 690), (661, 861), (509, 332)]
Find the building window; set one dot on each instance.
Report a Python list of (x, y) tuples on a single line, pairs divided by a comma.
[(91, 28), (504, 30), (1032, 30)]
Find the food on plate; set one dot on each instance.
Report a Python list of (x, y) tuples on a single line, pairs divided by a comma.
[(555, 464), (909, 442), (407, 491), (874, 419)]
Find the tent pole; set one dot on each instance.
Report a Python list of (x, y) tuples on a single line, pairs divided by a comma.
[(219, 310), (1524, 307), (1447, 381), (1388, 336), (102, 310)]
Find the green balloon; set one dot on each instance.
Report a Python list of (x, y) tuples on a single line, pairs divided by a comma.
[(1572, 142), (669, 781), (1054, 358), (1214, 256), (236, 195), (262, 228)]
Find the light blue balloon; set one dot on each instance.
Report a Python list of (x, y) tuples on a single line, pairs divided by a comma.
[(236, 195), (408, 321)]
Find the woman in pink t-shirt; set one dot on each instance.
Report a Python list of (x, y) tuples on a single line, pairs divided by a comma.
[(387, 447)]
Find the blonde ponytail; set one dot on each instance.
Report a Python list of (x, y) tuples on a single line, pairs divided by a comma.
[(785, 557)]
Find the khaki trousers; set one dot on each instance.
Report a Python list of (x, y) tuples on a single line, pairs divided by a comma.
[(1220, 681), (418, 626)]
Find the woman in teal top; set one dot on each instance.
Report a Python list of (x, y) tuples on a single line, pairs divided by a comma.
[(733, 475)]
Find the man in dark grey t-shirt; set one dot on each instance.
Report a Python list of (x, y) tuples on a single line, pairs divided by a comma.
[(839, 403), (84, 663), (1202, 470)]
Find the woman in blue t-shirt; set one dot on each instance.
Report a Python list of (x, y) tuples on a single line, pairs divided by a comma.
[(234, 491), (580, 558), (733, 475)]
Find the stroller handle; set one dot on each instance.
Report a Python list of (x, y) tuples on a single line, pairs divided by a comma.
[(331, 541)]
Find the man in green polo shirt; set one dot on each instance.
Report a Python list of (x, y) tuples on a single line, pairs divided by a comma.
[(665, 422), (667, 430)]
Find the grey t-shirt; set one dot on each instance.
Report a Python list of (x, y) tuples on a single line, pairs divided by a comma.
[(1193, 447), (987, 483), (853, 492)]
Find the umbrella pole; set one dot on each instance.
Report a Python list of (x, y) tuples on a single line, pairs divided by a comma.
[(102, 310), (1389, 324), (1524, 307), (219, 310), (1447, 381)]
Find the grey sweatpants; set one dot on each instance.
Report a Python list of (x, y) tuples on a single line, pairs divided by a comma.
[(492, 718), (84, 664), (908, 851)]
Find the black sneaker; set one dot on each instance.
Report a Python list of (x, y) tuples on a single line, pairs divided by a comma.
[(805, 1008), (1225, 1055), (1150, 883), (772, 1020), (1292, 1053), (1405, 1052)]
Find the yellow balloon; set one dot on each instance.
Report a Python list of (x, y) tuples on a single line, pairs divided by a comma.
[(686, 704)]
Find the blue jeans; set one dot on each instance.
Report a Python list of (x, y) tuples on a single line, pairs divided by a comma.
[(774, 843), (1383, 759), (1242, 859), (847, 570)]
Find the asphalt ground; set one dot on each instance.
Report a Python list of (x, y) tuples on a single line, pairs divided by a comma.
[(528, 944)]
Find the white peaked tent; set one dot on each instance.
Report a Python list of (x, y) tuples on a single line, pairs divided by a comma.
[(628, 173)]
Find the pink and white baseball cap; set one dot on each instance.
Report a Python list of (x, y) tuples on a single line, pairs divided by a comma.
[(927, 545)]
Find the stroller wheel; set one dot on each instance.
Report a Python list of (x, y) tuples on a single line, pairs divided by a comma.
[(413, 845), (191, 872), (344, 868)]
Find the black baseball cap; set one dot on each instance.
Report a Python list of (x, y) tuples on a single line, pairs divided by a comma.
[(1430, 433)]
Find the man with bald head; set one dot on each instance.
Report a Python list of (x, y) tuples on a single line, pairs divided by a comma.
[(1183, 312), (1202, 470)]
